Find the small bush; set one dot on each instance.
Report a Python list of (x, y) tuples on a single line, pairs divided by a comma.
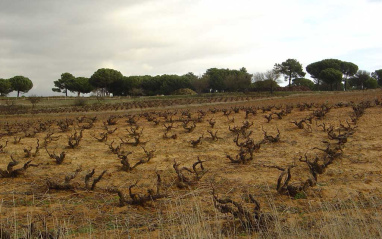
[(80, 102), (136, 92), (100, 98), (184, 91), (34, 99)]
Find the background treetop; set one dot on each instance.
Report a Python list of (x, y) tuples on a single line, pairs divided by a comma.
[(290, 68), (347, 69), (228, 80), (104, 78), (331, 76), (363, 80), (80, 85), (62, 84), (266, 80), (378, 76), (314, 69), (5, 87), (21, 84)]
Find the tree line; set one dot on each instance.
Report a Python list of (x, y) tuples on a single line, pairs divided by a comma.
[(16, 83), (110, 81), (327, 74)]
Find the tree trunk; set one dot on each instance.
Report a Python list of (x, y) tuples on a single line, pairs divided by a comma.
[(346, 84), (18, 94), (78, 94), (271, 87)]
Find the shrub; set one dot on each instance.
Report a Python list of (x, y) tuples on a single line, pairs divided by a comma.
[(184, 91), (34, 99), (80, 102), (136, 92)]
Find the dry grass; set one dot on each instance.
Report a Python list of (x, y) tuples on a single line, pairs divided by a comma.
[(345, 203)]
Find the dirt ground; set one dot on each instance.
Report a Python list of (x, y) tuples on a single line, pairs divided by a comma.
[(31, 206)]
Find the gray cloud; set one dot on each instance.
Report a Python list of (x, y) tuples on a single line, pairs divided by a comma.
[(41, 39)]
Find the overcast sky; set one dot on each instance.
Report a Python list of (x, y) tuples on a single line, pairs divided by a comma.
[(41, 39)]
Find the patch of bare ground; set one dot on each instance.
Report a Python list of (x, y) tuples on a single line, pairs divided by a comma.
[(292, 167)]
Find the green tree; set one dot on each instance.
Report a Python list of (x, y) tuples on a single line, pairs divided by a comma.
[(190, 76), (237, 80), (228, 80), (358, 80), (5, 87), (314, 69), (129, 85), (21, 84), (348, 69), (201, 84), (104, 78), (120, 87), (171, 83), (290, 68), (133, 85), (378, 76), (371, 83), (264, 85), (217, 77), (80, 85), (61, 85), (303, 82), (151, 85), (266, 80), (331, 76)]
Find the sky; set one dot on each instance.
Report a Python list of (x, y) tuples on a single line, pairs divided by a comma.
[(41, 39)]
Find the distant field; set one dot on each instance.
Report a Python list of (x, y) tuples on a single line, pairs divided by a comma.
[(304, 165), (58, 101)]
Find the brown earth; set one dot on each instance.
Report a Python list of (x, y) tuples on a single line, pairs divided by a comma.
[(351, 185)]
